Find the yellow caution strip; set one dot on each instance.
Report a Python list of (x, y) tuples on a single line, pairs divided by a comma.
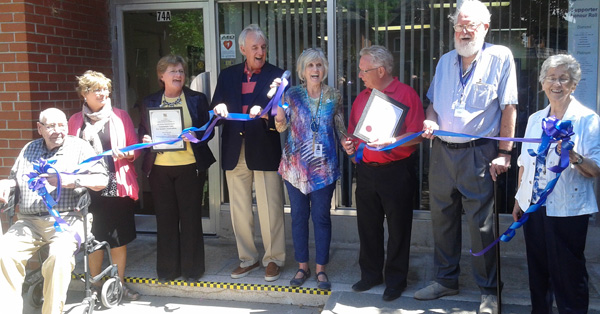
[(223, 285)]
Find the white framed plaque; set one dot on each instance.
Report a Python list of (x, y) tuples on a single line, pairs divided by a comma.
[(382, 118), (165, 124)]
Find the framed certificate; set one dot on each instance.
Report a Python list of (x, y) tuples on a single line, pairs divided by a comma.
[(381, 119), (165, 124)]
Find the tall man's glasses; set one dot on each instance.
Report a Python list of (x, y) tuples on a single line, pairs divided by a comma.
[(469, 27), (368, 70)]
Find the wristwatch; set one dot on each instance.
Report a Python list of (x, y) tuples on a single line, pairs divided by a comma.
[(579, 160)]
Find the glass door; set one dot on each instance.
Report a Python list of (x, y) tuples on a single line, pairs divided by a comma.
[(146, 33)]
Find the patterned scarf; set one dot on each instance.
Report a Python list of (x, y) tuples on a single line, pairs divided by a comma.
[(94, 123)]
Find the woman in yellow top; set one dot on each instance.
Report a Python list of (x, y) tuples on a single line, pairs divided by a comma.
[(177, 177)]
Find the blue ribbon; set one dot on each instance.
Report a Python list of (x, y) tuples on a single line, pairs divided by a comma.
[(554, 130), (38, 185)]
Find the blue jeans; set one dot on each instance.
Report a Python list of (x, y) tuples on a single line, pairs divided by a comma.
[(317, 204)]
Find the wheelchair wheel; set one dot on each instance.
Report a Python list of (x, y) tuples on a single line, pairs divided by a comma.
[(112, 292), (35, 294)]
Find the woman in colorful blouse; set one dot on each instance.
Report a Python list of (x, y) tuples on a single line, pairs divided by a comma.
[(309, 163)]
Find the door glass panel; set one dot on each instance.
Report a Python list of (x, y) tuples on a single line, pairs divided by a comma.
[(148, 36)]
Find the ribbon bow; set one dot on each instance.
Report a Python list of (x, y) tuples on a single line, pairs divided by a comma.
[(554, 131)]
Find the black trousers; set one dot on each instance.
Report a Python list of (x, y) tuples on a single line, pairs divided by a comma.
[(556, 262), (385, 192), (177, 196)]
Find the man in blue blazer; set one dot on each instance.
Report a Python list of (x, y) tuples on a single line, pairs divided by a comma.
[(251, 151)]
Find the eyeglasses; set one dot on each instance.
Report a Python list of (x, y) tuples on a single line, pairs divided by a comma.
[(469, 27), (99, 91), (562, 80), (368, 70), (54, 126), (174, 72)]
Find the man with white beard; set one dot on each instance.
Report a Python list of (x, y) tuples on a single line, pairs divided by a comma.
[(474, 91)]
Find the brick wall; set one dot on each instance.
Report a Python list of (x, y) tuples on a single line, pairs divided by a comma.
[(44, 44)]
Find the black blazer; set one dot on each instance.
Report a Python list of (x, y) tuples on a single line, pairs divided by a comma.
[(262, 143), (198, 107)]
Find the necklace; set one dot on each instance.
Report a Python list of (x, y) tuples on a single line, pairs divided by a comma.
[(165, 103), (315, 119)]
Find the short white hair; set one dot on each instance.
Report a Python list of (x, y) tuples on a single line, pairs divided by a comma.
[(381, 57), (475, 9), (311, 55), (254, 28), (556, 61), (52, 112)]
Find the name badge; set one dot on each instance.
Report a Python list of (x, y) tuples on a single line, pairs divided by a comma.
[(318, 150)]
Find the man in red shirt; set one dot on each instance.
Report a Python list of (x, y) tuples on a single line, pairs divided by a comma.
[(386, 180)]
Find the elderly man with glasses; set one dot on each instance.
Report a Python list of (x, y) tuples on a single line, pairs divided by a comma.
[(474, 91), (36, 225), (386, 180)]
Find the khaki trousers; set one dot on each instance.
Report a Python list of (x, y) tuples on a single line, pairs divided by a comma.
[(269, 198), (17, 246)]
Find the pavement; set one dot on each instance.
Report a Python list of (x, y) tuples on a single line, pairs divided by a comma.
[(218, 293)]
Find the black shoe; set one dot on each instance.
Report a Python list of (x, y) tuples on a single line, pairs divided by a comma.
[(391, 294), (364, 285)]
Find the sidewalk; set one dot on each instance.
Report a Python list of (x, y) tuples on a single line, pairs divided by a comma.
[(343, 271)]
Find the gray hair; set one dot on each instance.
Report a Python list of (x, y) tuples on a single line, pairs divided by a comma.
[(310, 55), (556, 61), (51, 112), (475, 9), (381, 56), (254, 28), (165, 62)]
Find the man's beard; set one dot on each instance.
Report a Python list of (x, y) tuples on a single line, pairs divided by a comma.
[(470, 48)]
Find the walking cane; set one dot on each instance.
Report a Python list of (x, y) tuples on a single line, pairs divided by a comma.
[(497, 234)]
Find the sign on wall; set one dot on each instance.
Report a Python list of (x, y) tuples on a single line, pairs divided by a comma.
[(583, 45), (227, 46), (163, 16)]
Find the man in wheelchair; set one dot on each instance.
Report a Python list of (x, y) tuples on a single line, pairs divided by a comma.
[(35, 226)]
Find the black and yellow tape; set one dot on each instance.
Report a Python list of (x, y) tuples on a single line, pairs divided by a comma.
[(223, 285)]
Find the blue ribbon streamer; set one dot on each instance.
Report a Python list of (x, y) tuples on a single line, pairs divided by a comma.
[(38, 184), (554, 130)]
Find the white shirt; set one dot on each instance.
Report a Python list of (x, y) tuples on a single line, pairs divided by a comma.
[(573, 194)]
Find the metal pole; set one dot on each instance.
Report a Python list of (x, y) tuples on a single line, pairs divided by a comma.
[(497, 234)]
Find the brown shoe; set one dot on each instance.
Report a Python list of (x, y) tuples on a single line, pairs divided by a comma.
[(272, 272), (243, 271)]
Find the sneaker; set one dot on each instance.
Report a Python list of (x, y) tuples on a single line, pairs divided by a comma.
[(489, 304), (434, 291), (272, 272), (243, 271)]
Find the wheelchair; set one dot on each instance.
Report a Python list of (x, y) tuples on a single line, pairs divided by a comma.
[(111, 292)]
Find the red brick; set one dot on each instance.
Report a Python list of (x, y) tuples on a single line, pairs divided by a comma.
[(9, 152), (27, 115), (22, 57), (17, 87), (36, 38), (18, 143), (41, 48), (63, 32), (16, 67), (4, 172), (20, 37), (14, 7), (4, 77), (34, 96), (34, 18), (7, 57), (9, 134), (17, 27), (7, 38), (20, 124), (54, 40), (8, 97), (3, 143), (42, 10), (10, 115), (33, 76), (58, 96), (47, 68), (53, 21), (56, 59), (31, 134), (45, 29), (48, 87), (19, 47), (6, 105), (4, 47), (6, 17)]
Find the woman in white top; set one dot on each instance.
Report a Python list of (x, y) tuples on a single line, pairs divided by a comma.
[(555, 234)]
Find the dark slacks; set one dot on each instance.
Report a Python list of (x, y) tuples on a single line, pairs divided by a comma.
[(177, 195), (556, 262), (385, 192)]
